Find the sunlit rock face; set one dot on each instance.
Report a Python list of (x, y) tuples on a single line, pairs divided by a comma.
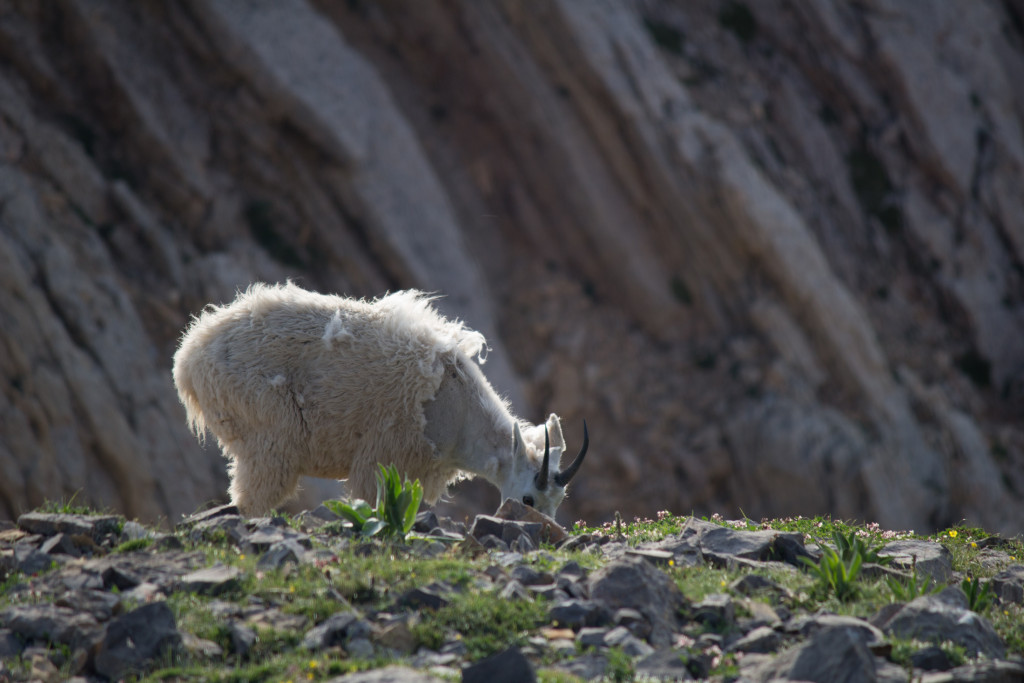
[(770, 251)]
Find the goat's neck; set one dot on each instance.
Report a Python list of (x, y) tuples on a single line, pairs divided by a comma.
[(487, 452)]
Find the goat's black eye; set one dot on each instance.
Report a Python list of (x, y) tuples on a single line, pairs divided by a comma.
[(528, 500)]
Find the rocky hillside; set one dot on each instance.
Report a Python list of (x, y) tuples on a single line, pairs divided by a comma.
[(512, 598), (771, 251)]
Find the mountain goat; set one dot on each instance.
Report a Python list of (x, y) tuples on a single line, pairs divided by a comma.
[(293, 383)]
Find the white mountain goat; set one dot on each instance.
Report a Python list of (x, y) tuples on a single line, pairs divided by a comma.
[(297, 383)]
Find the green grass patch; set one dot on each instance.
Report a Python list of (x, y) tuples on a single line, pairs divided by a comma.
[(485, 624)]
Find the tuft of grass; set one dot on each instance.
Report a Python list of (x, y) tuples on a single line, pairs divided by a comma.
[(69, 507), (979, 595), (834, 575), (486, 625), (851, 546), (134, 545), (914, 587)]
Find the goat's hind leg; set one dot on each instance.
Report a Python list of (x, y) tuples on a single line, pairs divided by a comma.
[(258, 484)]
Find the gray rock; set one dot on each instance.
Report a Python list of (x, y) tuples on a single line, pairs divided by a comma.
[(101, 605), (213, 580), (133, 531), (664, 665), (1008, 585), (723, 545), (486, 525), (572, 569), (754, 584), (335, 630), (388, 674), (931, 658), (431, 596), (591, 636), (426, 522), (28, 559), (135, 639), (634, 621), (59, 543), (575, 613), (761, 639), (508, 666), (588, 666), (572, 587), (492, 542), (833, 655), (359, 648), (282, 553), (528, 576), (120, 577), (10, 645), (207, 515), (200, 647), (634, 583), (49, 624), (48, 524), (812, 623), (547, 591), (932, 558), (979, 672), (322, 512), (659, 558), (716, 611), (217, 526), (621, 637), (522, 543), (945, 617), (266, 536), (513, 590), (242, 639), (396, 636)]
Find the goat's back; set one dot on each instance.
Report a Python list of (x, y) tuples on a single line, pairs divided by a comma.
[(328, 384)]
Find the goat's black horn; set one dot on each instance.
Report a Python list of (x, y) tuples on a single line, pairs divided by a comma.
[(563, 477), (541, 480)]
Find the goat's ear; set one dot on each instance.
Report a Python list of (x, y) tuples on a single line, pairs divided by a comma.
[(554, 426), (518, 447)]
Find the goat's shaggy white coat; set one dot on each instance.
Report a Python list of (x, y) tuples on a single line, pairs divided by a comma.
[(293, 383)]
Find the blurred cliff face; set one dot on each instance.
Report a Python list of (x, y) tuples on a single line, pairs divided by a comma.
[(771, 251)]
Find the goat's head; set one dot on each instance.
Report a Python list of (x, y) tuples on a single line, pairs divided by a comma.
[(537, 478)]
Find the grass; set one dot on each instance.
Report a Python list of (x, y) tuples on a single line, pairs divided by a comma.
[(484, 624), (372, 574)]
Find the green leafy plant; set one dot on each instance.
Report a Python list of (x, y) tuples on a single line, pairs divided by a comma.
[(836, 575), (979, 595), (914, 587), (395, 511), (852, 545)]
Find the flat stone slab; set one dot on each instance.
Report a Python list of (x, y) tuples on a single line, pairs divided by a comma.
[(212, 580), (48, 524), (931, 557)]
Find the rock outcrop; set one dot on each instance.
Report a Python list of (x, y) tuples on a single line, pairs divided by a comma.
[(771, 251)]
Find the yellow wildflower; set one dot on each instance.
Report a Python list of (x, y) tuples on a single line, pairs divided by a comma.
[(952, 533)]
